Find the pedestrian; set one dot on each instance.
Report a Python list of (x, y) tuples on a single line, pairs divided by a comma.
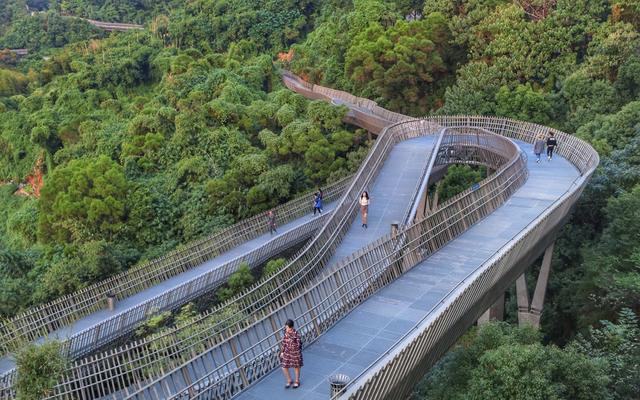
[(317, 203), (271, 221), (364, 208), (538, 146), (291, 354), (552, 143)]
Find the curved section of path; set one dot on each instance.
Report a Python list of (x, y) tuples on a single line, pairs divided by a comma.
[(374, 327)]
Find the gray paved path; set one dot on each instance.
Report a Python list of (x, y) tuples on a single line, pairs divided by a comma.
[(390, 194), (7, 363), (373, 327)]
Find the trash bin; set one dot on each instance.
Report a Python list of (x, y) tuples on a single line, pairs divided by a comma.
[(337, 383), (111, 301)]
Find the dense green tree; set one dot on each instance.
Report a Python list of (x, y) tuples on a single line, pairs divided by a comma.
[(610, 279), (87, 199), (502, 362), (46, 30), (237, 281), (613, 131), (39, 366), (11, 82), (524, 104), (400, 65), (458, 179), (619, 344), (274, 266)]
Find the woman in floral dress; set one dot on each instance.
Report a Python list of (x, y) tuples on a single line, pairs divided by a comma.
[(291, 354)]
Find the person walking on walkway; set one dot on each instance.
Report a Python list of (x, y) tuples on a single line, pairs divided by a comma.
[(552, 143), (364, 208), (538, 146), (317, 203), (291, 354), (271, 221)]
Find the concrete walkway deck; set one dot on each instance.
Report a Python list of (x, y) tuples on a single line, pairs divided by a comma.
[(391, 195), (372, 328)]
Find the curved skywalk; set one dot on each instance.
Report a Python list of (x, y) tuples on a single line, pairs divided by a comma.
[(489, 234), (372, 329), (377, 329)]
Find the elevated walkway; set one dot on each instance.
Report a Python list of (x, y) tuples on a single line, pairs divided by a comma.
[(391, 194), (301, 228), (371, 304), (464, 255), (373, 328)]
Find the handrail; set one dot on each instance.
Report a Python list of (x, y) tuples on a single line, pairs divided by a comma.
[(313, 316), (572, 150), (58, 312), (424, 185), (350, 387), (260, 298), (308, 263)]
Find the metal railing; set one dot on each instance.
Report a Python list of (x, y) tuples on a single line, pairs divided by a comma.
[(403, 365), (268, 296), (265, 294), (253, 353), (144, 276)]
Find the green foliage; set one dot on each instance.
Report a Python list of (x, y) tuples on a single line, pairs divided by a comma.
[(498, 361), (11, 83), (158, 322), (524, 104), (536, 372), (459, 178), (611, 279), (216, 25), (42, 31), (613, 131), (237, 282), (85, 199), (400, 64), (39, 367), (115, 10), (619, 345), (274, 266)]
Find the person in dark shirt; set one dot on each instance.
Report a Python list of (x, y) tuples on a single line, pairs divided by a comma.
[(552, 143)]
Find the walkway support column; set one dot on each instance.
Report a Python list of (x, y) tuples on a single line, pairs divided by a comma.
[(529, 313), (493, 313)]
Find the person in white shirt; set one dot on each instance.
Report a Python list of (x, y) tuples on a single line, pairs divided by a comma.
[(364, 208)]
